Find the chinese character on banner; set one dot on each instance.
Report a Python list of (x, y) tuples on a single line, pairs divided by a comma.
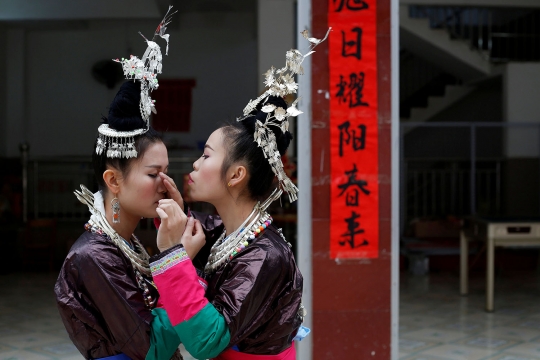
[(345, 137), (353, 5), (352, 196), (353, 229), (354, 142), (353, 46), (351, 91)]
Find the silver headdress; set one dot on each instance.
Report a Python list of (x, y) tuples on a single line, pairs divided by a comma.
[(279, 82), (121, 144)]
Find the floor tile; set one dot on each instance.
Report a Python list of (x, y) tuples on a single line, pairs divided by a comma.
[(526, 349), (29, 339), (423, 357), (22, 355), (420, 321), (457, 352), (486, 342), (530, 323), (4, 348), (464, 326), (412, 345), (436, 335), (512, 332), (510, 356), (56, 350)]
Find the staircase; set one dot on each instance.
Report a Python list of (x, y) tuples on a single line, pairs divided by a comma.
[(426, 90), (437, 46), (451, 49)]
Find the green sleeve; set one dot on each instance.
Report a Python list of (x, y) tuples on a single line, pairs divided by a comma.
[(205, 335), (163, 337)]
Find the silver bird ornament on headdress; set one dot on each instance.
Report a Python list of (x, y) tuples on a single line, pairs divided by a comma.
[(280, 82)]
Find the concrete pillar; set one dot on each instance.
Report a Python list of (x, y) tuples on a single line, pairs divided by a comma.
[(275, 33), (521, 105), (3, 92), (353, 310), (304, 248), (15, 124), (522, 145)]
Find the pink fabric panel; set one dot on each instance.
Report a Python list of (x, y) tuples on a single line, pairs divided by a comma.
[(181, 294)]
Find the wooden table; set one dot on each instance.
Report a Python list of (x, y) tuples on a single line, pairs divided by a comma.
[(495, 232)]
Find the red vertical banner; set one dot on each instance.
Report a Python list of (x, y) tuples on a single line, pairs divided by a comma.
[(354, 194)]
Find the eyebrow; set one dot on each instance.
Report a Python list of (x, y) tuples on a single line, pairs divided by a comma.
[(156, 166), (208, 146)]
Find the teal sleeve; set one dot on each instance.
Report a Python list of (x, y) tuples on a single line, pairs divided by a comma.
[(205, 335), (164, 339)]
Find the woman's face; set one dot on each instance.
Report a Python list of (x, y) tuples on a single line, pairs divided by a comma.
[(205, 183), (141, 190)]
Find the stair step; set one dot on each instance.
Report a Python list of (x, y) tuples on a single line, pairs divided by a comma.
[(437, 104), (435, 45)]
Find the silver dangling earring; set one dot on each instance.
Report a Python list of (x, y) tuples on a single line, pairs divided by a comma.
[(115, 205)]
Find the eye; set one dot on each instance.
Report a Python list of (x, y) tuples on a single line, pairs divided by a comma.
[(152, 175), (205, 156)]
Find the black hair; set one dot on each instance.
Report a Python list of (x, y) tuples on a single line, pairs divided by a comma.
[(241, 147), (124, 115)]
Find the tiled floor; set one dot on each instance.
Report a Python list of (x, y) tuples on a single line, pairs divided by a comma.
[(435, 322), (30, 327)]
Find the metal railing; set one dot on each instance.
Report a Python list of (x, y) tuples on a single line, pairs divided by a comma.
[(48, 184), (439, 186), (445, 190), (499, 34)]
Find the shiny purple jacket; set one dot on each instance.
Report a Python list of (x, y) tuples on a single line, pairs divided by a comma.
[(103, 310)]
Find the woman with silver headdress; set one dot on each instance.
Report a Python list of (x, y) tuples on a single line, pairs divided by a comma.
[(104, 291), (246, 304)]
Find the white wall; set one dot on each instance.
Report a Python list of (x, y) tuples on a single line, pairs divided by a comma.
[(521, 104), (16, 120), (276, 33), (3, 86), (64, 103)]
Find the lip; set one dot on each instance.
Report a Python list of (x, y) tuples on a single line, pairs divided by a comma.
[(190, 181)]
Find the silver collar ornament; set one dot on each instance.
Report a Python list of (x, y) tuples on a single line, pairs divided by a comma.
[(98, 219), (280, 82), (121, 144)]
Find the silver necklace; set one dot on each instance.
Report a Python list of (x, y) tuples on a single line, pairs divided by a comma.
[(224, 249)]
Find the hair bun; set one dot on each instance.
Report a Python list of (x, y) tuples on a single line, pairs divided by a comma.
[(124, 112), (282, 139)]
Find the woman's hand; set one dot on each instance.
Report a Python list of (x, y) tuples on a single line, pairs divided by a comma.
[(172, 190), (193, 238), (173, 224)]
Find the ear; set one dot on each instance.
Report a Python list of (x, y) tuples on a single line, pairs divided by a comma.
[(111, 178), (238, 175)]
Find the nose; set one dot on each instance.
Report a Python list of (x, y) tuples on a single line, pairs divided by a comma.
[(196, 164), (161, 186)]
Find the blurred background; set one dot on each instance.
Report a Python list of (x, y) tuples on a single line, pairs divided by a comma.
[(60, 80), (469, 150)]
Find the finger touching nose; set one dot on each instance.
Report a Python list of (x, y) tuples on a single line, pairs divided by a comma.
[(161, 186)]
